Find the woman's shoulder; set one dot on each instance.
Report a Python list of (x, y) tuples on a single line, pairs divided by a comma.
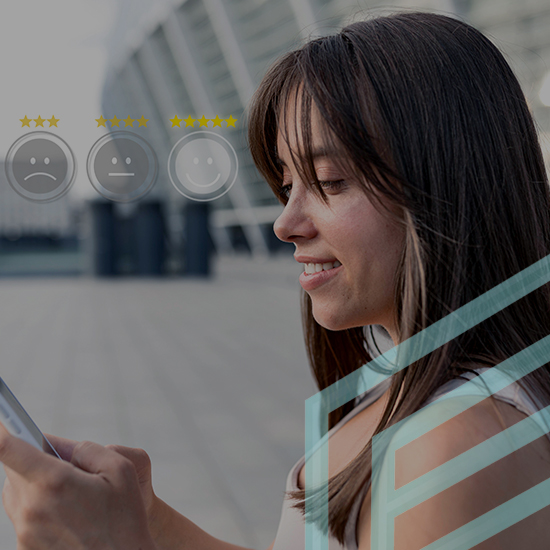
[(482, 471), (464, 429)]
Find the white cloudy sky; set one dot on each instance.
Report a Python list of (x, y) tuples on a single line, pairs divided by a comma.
[(52, 62)]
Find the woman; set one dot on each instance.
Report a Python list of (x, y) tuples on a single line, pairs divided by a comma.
[(413, 182)]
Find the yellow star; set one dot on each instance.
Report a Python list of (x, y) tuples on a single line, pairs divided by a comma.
[(203, 121), (128, 121), (39, 121), (25, 121), (231, 121), (189, 121), (53, 121), (101, 121), (175, 121), (142, 121), (114, 121), (217, 121)]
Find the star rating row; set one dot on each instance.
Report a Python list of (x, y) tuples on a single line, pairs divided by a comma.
[(203, 121), (128, 121), (38, 121)]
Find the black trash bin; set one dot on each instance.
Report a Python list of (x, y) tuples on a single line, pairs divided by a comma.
[(149, 232), (198, 248), (104, 238)]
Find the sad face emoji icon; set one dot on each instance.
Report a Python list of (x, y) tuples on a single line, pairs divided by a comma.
[(40, 166)]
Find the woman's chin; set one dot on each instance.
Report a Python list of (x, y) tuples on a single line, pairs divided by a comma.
[(332, 320)]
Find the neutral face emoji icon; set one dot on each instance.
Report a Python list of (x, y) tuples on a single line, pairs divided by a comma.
[(202, 166), (122, 166), (40, 166)]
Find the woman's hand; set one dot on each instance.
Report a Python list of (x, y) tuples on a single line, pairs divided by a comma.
[(142, 464), (139, 458), (98, 500)]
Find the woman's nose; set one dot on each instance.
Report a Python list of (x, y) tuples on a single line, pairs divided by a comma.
[(294, 222)]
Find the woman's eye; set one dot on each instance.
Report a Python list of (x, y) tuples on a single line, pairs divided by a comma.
[(332, 185), (285, 190)]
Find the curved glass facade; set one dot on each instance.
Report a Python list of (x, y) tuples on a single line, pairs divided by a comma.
[(205, 57)]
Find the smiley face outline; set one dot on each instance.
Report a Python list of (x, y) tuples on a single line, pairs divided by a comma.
[(149, 178), (68, 166), (186, 190)]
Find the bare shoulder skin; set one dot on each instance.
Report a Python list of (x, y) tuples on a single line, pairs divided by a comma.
[(475, 495)]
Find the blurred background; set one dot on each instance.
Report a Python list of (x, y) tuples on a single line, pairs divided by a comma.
[(167, 323)]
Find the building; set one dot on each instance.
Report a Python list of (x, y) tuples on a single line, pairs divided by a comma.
[(205, 57)]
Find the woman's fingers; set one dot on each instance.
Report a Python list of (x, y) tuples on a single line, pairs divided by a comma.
[(62, 445), (138, 457), (96, 459), (24, 459), (8, 496), (65, 448), (142, 464)]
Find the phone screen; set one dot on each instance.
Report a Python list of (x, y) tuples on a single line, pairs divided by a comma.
[(17, 421)]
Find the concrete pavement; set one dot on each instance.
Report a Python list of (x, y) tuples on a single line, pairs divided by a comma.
[(209, 377)]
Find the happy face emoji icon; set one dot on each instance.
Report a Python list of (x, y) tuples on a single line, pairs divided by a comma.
[(122, 166), (202, 166), (40, 166)]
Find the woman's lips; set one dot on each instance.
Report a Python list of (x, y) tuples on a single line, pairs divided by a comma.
[(309, 282)]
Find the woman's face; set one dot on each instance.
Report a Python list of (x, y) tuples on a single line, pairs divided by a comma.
[(358, 247)]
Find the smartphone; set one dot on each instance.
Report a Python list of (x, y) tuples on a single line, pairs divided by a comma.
[(16, 420)]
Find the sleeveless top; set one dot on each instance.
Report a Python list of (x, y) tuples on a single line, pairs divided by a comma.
[(291, 530)]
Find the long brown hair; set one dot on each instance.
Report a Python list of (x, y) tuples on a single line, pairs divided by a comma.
[(429, 115)]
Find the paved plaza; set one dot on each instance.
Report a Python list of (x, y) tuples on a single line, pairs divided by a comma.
[(209, 377)]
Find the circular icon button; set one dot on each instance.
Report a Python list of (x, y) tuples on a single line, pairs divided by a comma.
[(122, 166), (40, 166), (203, 166)]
